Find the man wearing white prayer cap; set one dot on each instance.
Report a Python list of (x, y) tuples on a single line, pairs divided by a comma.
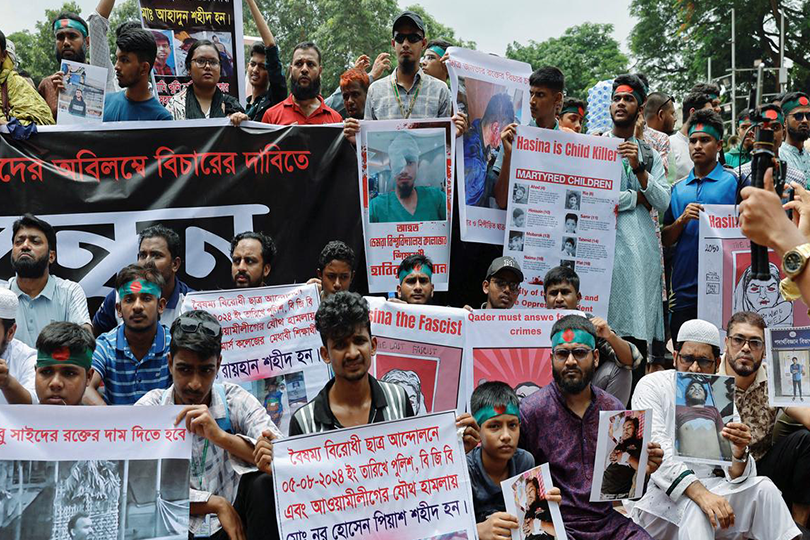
[(17, 360), (694, 501)]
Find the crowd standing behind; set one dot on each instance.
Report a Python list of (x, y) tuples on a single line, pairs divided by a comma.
[(138, 349)]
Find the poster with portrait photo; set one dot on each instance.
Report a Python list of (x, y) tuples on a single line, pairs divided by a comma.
[(493, 92), (568, 185), (620, 466), (788, 354), (406, 199), (88, 473), (702, 405), (283, 395), (82, 100), (177, 24), (524, 496), (725, 282)]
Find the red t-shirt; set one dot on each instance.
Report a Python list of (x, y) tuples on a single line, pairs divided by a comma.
[(288, 113)]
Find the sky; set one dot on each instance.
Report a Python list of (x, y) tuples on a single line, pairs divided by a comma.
[(482, 21)]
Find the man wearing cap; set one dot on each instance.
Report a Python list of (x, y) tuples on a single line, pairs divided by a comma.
[(708, 183), (695, 501), (636, 311), (741, 154), (572, 114), (569, 409), (617, 356), (796, 108), (17, 360), (132, 359), (415, 274), (407, 202), (24, 103), (63, 369), (502, 284)]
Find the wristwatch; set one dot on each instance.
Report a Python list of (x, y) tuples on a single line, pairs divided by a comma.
[(743, 459), (794, 261), (638, 169)]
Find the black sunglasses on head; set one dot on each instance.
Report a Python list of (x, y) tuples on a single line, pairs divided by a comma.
[(412, 38), (192, 326)]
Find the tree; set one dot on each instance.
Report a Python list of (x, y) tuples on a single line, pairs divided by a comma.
[(434, 29), (123, 12), (674, 39), (586, 54)]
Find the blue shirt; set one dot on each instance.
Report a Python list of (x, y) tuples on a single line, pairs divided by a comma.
[(126, 379), (119, 108), (796, 371), (106, 318), (719, 187), (487, 495)]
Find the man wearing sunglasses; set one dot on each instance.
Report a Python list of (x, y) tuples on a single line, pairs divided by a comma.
[(796, 107), (783, 459), (569, 409), (696, 501), (229, 496)]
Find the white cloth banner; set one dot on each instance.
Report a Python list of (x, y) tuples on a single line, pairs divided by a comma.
[(483, 84), (725, 284), (406, 196), (422, 349), (398, 480), (54, 433), (563, 200)]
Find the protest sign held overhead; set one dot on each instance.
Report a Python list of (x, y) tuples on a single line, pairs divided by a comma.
[(621, 455), (406, 196), (563, 199), (113, 470), (397, 480), (493, 92)]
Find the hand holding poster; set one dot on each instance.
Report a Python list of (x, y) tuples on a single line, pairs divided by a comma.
[(788, 354), (82, 99), (524, 496), (421, 348), (493, 92), (406, 197), (137, 462), (621, 455), (564, 193), (398, 480), (703, 406)]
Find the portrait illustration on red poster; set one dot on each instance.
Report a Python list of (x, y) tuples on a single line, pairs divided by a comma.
[(416, 375), (741, 292), (525, 369)]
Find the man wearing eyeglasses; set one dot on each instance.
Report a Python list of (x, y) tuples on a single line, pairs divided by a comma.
[(502, 284), (783, 459), (796, 107), (569, 409), (229, 496), (695, 501)]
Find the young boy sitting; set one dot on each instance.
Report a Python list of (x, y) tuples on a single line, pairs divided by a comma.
[(495, 407)]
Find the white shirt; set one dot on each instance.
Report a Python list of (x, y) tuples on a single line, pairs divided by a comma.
[(679, 148), (22, 363)]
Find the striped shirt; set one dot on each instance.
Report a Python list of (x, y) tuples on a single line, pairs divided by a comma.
[(220, 472), (125, 378), (798, 159), (388, 402), (432, 100)]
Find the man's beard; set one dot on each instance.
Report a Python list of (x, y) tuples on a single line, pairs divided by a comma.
[(744, 371), (303, 93), (405, 191), (798, 135), (81, 56), (624, 123), (692, 401), (573, 387), (30, 268), (407, 65)]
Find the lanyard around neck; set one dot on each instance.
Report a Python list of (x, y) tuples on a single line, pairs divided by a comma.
[(394, 85)]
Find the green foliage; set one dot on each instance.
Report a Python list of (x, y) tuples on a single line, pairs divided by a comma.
[(434, 29), (586, 54), (123, 12)]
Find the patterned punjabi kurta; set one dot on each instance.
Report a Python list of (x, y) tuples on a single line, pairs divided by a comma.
[(557, 436), (635, 308)]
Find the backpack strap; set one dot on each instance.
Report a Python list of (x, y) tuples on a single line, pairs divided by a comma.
[(646, 155), (223, 423)]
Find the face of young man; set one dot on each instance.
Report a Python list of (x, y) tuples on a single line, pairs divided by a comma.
[(83, 529), (335, 277), (193, 376), (30, 253), (628, 430), (502, 290), (141, 311), (350, 356), (247, 264), (61, 384), (406, 177), (572, 121), (6, 335), (499, 436), (623, 109), (257, 71), (416, 288), (543, 104), (432, 65), (745, 348), (746, 135), (574, 374), (703, 149), (696, 358), (305, 74), (667, 117), (798, 124), (163, 51), (354, 99), (562, 296), (156, 251), (70, 45), (128, 69), (408, 53)]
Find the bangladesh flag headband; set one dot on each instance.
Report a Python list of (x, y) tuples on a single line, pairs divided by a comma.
[(573, 109), (627, 89), (425, 269), (700, 127), (62, 355), (69, 23), (491, 411), (139, 286), (573, 335), (774, 115), (800, 101)]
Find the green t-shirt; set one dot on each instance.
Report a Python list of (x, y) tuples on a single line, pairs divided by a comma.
[(431, 205)]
